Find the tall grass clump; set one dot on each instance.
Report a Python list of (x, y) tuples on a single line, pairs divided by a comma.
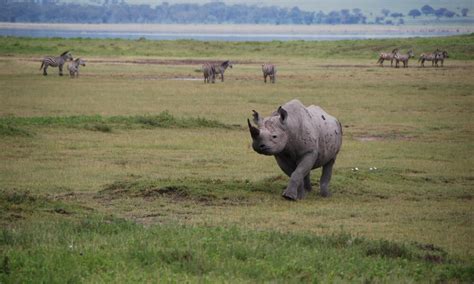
[(9, 125), (10, 130)]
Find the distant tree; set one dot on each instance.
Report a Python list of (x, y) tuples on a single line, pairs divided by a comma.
[(118, 11), (440, 12), (396, 15), (449, 14), (379, 20), (319, 17), (414, 13), (296, 15), (357, 11), (385, 12), (401, 21), (388, 22), (427, 10), (333, 18), (464, 12), (308, 18)]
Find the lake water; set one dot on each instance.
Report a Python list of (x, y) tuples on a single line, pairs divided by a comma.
[(221, 36)]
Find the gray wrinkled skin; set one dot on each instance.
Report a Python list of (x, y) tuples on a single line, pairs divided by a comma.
[(301, 139)]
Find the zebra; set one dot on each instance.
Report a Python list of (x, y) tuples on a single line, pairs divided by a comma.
[(403, 58), (387, 56), (428, 57), (220, 68), (440, 56), (74, 67), (55, 62), (269, 70), (209, 73)]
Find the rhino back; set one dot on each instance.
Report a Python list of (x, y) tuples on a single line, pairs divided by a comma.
[(329, 134), (311, 129), (301, 128)]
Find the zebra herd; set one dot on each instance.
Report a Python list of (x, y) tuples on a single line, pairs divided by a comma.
[(210, 70), (435, 57), (59, 61)]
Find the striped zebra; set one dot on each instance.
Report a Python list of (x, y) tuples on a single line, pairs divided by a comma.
[(387, 56), (428, 57), (209, 73), (440, 56), (220, 68), (74, 67), (269, 70), (55, 62), (403, 58)]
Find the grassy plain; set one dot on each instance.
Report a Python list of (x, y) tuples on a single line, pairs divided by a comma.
[(137, 171)]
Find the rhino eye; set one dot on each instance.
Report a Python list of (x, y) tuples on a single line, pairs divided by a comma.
[(274, 136)]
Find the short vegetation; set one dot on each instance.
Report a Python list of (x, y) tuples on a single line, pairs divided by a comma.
[(137, 171)]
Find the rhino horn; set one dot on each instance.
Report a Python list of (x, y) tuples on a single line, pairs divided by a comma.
[(254, 131)]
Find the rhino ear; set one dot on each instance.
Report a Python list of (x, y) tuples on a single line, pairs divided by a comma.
[(256, 117), (283, 114)]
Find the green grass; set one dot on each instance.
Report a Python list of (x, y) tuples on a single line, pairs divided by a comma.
[(105, 124), (130, 175), (459, 47), (7, 129), (92, 248)]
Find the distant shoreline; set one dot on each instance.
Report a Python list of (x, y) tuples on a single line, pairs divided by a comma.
[(229, 32)]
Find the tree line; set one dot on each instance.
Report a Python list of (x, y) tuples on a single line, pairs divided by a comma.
[(50, 11)]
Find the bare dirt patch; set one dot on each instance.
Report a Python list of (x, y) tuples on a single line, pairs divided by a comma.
[(151, 61), (368, 138), (168, 61)]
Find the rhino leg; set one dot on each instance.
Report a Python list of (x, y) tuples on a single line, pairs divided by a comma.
[(297, 177), (325, 179), (288, 167), (305, 187), (307, 184)]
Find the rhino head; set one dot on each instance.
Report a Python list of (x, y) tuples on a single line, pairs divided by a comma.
[(270, 136)]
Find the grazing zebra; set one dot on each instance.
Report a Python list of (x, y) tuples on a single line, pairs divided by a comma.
[(74, 67), (269, 70), (55, 62), (428, 57), (440, 56), (403, 58), (220, 68), (209, 73), (387, 56)]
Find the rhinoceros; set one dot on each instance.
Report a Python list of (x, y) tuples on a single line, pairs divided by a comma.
[(301, 139)]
